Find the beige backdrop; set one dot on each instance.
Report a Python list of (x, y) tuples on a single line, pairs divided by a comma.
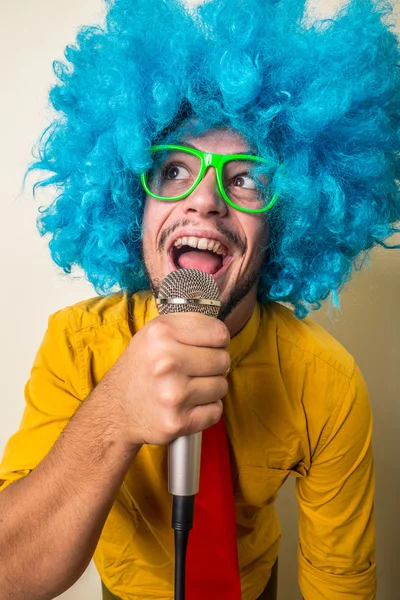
[(32, 34)]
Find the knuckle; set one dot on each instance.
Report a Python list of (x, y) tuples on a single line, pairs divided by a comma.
[(171, 424), (165, 365), (171, 396), (157, 329)]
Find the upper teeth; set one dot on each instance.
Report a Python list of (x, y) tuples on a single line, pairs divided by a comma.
[(201, 244)]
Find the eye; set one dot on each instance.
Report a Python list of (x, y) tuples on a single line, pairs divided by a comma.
[(244, 181), (174, 172)]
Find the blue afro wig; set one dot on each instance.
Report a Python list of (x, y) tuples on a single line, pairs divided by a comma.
[(321, 97)]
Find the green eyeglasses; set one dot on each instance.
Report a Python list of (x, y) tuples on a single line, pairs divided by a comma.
[(243, 180)]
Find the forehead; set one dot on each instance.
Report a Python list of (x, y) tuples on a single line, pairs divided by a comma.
[(219, 141)]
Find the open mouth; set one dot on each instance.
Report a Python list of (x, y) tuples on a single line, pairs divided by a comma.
[(203, 254)]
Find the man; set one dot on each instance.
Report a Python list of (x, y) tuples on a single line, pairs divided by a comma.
[(113, 382)]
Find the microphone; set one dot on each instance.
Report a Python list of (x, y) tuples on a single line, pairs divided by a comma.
[(185, 290)]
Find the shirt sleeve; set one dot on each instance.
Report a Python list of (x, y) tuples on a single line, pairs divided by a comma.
[(336, 505), (52, 395)]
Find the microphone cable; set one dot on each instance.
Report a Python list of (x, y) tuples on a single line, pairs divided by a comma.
[(182, 523)]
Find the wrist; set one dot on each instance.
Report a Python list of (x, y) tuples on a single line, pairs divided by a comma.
[(113, 417)]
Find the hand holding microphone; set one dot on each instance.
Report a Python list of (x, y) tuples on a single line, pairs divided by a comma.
[(169, 381)]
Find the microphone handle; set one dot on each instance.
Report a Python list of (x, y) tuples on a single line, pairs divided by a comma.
[(184, 455)]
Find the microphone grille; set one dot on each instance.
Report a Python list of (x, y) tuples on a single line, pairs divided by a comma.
[(189, 284)]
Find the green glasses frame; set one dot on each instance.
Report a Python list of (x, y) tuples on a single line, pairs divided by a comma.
[(209, 159)]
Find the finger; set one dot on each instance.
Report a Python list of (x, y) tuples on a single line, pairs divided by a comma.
[(190, 361), (196, 329), (204, 362), (202, 417), (205, 390)]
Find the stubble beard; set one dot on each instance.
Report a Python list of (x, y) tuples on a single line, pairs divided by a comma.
[(236, 294)]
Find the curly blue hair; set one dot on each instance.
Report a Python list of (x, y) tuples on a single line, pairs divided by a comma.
[(321, 97)]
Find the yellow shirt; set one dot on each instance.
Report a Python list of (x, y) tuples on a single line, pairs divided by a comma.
[(297, 405)]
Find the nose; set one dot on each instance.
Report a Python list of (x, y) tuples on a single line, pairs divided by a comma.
[(206, 199)]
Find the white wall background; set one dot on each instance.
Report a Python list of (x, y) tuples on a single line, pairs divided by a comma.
[(32, 35)]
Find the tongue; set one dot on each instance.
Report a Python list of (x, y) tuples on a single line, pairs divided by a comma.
[(202, 260)]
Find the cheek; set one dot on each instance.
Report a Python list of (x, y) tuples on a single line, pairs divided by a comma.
[(153, 219), (156, 218), (156, 212)]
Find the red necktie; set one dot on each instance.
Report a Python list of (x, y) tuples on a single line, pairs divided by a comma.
[(212, 569)]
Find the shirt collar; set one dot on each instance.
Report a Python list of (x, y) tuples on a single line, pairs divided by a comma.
[(241, 343)]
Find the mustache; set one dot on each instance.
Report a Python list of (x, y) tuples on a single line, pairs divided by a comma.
[(233, 238)]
